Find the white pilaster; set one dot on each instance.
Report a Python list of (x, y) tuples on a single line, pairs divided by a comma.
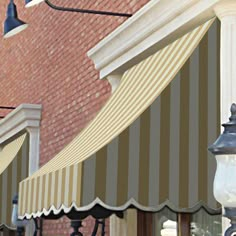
[(226, 12), (117, 226), (25, 117), (126, 226), (114, 81), (34, 141)]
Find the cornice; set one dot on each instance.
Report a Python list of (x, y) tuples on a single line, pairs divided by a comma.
[(225, 8), (23, 117), (157, 24)]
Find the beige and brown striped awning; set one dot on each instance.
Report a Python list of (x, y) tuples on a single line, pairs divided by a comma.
[(145, 142), (13, 168)]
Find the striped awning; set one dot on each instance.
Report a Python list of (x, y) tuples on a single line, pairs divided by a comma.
[(13, 169), (139, 149)]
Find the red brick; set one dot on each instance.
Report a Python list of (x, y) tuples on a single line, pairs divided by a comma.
[(47, 64)]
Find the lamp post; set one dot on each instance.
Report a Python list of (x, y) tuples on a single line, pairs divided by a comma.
[(224, 150), (76, 224), (20, 224)]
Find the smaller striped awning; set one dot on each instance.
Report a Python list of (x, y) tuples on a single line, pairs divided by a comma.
[(13, 168), (109, 163)]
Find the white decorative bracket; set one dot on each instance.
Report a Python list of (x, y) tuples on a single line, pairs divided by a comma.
[(114, 81)]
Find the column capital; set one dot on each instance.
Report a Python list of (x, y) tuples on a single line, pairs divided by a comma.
[(114, 81), (225, 8), (33, 130)]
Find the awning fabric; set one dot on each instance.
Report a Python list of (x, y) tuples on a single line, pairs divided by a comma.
[(115, 162), (13, 169)]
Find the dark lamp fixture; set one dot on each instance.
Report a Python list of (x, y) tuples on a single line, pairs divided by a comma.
[(20, 224), (29, 3), (224, 150), (226, 142), (12, 24)]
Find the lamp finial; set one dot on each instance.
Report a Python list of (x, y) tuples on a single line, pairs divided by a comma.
[(233, 109), (233, 112)]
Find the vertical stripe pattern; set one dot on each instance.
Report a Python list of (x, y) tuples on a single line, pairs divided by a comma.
[(193, 127), (144, 145), (12, 156), (111, 183), (157, 158), (174, 139), (134, 160), (184, 136), (213, 108), (164, 146), (155, 123)]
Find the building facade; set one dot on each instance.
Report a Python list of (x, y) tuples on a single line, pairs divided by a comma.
[(144, 156), (48, 65)]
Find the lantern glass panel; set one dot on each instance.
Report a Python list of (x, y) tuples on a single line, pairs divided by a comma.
[(225, 180)]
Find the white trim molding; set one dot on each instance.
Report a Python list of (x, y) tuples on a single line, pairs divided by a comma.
[(24, 117), (157, 24)]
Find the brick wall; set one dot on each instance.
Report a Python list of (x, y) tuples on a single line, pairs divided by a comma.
[(61, 227), (47, 64)]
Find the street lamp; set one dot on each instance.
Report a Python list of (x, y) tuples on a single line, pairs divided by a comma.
[(224, 150), (13, 24), (30, 3), (20, 224)]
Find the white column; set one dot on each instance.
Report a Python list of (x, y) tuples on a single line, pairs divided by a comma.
[(34, 141), (117, 226), (126, 226), (226, 12)]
